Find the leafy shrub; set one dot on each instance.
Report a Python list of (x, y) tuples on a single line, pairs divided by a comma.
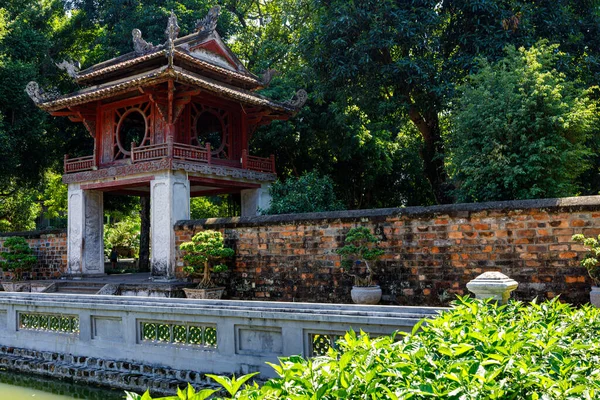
[(203, 253), (360, 248), (18, 258), (519, 129), (308, 193), (124, 234), (212, 207), (476, 350), (590, 260)]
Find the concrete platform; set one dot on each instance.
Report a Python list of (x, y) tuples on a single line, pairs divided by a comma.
[(132, 284)]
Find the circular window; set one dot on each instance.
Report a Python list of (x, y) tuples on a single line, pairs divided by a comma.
[(132, 128), (210, 129)]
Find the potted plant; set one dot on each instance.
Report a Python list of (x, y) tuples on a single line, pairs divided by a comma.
[(592, 264), (359, 250), (18, 258), (203, 255)]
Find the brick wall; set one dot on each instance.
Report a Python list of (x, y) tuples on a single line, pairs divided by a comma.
[(431, 252), (50, 247)]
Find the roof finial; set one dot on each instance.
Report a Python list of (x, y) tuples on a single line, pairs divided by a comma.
[(268, 75), (208, 23), (171, 32), (140, 46), (71, 67)]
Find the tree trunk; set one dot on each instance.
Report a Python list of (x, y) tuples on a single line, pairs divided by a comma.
[(144, 261), (433, 153)]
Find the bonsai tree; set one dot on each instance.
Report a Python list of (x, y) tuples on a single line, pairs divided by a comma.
[(590, 260), (360, 249), (204, 254), (18, 258)]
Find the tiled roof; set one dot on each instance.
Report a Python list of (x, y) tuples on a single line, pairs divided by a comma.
[(158, 75)]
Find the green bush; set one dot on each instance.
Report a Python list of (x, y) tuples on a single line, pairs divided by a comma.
[(124, 234), (308, 193), (590, 260), (476, 350), (519, 129), (18, 257), (203, 254), (360, 248)]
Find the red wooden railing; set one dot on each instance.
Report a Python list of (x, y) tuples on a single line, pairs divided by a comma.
[(149, 153), (177, 151), (79, 164), (191, 153), (258, 163)]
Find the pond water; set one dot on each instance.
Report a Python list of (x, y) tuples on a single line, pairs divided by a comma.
[(18, 386)]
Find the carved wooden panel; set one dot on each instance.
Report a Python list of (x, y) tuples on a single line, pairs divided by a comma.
[(199, 112), (122, 149)]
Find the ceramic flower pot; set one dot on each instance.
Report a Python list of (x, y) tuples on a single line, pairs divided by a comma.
[(366, 294), (595, 296), (212, 293)]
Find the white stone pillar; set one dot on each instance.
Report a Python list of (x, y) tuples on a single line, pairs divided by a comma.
[(169, 203), (85, 246), (254, 200), (492, 284)]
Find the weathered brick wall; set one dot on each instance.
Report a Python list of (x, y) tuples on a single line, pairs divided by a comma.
[(50, 247), (431, 252)]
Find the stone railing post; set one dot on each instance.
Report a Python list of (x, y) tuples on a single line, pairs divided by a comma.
[(494, 285)]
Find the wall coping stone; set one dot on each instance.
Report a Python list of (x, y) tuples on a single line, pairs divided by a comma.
[(263, 309), (33, 234), (566, 204)]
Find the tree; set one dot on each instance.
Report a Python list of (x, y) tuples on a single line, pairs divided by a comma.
[(202, 253), (399, 60), (308, 193), (519, 129)]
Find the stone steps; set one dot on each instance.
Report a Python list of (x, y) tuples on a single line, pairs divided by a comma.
[(78, 289), (74, 288)]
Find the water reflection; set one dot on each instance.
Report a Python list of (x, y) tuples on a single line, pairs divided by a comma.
[(19, 386)]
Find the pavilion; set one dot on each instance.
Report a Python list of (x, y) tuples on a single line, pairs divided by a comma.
[(168, 121)]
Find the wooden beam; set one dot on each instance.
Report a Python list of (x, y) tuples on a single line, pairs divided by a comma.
[(222, 183), (170, 94), (188, 93), (118, 184), (126, 102), (125, 192), (213, 192)]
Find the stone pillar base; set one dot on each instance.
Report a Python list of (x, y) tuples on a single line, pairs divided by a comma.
[(85, 240), (169, 203), (254, 200)]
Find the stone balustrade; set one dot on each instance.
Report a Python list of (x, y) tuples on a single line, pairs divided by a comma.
[(206, 336)]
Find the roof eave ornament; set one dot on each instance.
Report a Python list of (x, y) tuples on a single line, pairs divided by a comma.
[(171, 33), (39, 95), (71, 67), (267, 76), (208, 23), (140, 46), (298, 100)]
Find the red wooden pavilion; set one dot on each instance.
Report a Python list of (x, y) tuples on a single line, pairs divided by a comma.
[(171, 121)]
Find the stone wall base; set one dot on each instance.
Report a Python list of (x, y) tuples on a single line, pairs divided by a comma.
[(108, 373)]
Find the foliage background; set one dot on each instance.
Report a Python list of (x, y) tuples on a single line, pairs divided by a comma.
[(382, 78)]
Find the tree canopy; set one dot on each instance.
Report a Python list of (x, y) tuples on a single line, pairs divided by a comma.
[(520, 128), (382, 78)]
